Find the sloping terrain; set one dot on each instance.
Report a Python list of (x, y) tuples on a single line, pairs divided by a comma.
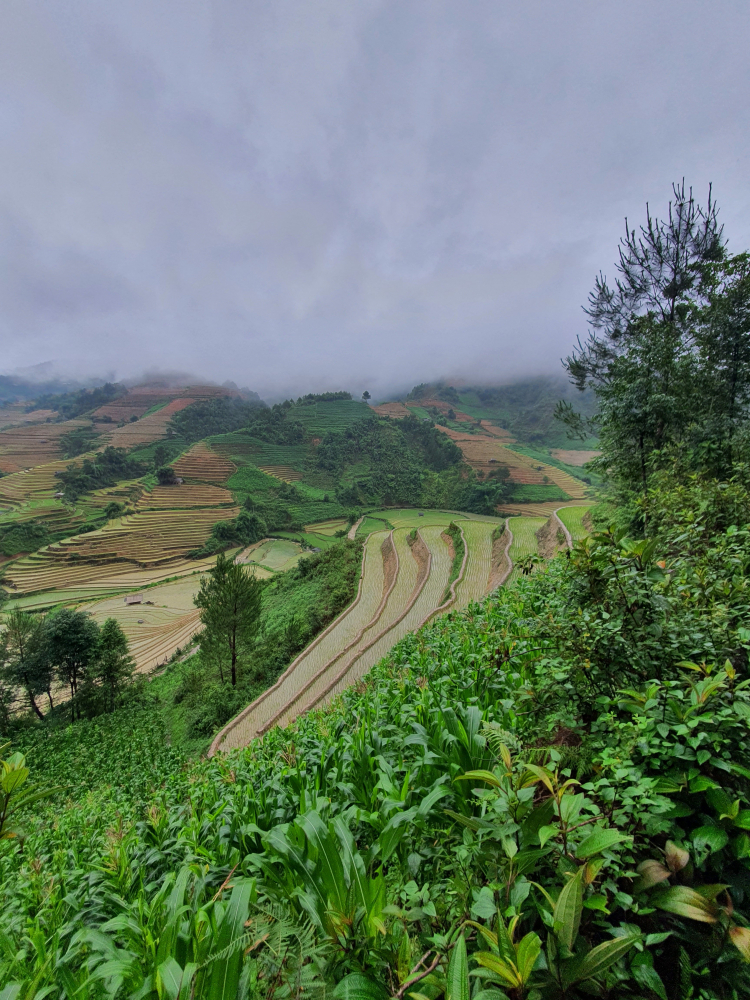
[(404, 578), (34, 444)]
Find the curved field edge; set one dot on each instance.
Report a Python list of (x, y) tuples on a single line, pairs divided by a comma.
[(349, 673)]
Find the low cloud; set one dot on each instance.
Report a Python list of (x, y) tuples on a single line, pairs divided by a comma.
[(307, 196)]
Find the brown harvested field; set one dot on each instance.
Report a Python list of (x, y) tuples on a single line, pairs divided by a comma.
[(283, 472), (391, 410), (203, 464), (147, 429), (14, 415), (34, 444), (440, 404), (498, 432), (145, 540), (573, 457), (485, 453), (185, 495)]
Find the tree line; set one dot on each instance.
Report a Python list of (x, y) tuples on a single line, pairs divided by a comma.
[(91, 662)]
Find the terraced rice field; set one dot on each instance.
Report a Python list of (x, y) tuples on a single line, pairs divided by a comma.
[(573, 456), (476, 581), (401, 588), (329, 645), (165, 620), (147, 429), (395, 410), (33, 484), (524, 541), (328, 527), (202, 464), (335, 415), (273, 554), (184, 496), (536, 509), (572, 518), (283, 472), (14, 415), (147, 540), (34, 444), (485, 452)]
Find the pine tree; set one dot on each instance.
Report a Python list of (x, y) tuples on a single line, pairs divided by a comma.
[(230, 599), (640, 356), (114, 664)]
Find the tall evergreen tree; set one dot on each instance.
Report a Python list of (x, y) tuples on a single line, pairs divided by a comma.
[(722, 347), (230, 599), (114, 664), (640, 355)]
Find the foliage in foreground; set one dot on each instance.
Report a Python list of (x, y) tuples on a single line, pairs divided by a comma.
[(546, 796)]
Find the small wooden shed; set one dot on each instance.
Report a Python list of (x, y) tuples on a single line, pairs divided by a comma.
[(134, 598)]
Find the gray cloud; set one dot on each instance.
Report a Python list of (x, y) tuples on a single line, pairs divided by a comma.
[(320, 194)]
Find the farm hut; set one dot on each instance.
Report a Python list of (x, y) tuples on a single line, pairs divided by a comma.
[(134, 598)]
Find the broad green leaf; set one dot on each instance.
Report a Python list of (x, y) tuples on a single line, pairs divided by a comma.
[(358, 987), (598, 841), (169, 975), (567, 915), (685, 902), (597, 902), (646, 975), (506, 971), (487, 776), (546, 833), (711, 891), (712, 837), (600, 958), (226, 968), (326, 850), (457, 985), (527, 953)]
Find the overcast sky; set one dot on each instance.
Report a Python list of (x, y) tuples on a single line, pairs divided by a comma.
[(302, 194)]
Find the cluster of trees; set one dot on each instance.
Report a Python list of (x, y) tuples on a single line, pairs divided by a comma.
[(106, 468), (408, 462), (245, 529), (215, 416), (323, 397), (438, 390), (72, 404), (68, 648), (668, 353), (77, 441), (24, 536)]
